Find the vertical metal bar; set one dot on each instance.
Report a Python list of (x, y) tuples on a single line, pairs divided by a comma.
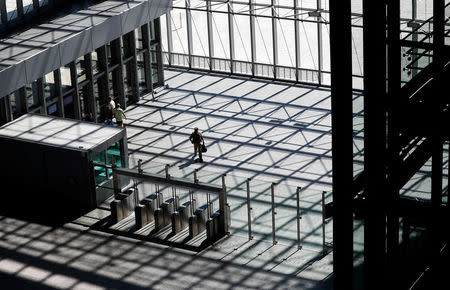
[(3, 12), (36, 4), (116, 58), (19, 5), (324, 246), (130, 45), (319, 43), (58, 89), (76, 96), (274, 39), (167, 171), (249, 210), (147, 57), (272, 194), (394, 114), (169, 37), (252, 35), (189, 31), (21, 102), (195, 176), (159, 59), (299, 217), (436, 131), (41, 95), (342, 141), (91, 103), (116, 182), (374, 33), (231, 35), (210, 34), (106, 162), (102, 82), (297, 39)]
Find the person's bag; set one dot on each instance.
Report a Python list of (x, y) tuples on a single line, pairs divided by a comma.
[(204, 149)]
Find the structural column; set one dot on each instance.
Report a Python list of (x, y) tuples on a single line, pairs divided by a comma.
[(374, 33), (437, 131), (75, 95), (91, 103), (394, 114), (117, 73), (3, 12), (297, 39), (231, 36), (58, 89), (252, 36), (342, 142), (159, 58), (210, 34), (147, 60), (275, 39)]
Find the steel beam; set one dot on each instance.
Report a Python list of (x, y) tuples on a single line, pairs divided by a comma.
[(395, 110), (159, 59), (3, 12), (231, 36), (342, 141), (374, 33), (210, 34), (59, 95), (147, 56), (251, 6), (19, 5), (91, 102), (117, 73), (189, 31), (75, 94)]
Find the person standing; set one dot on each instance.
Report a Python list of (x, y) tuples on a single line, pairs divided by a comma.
[(196, 138), (119, 114), (110, 106)]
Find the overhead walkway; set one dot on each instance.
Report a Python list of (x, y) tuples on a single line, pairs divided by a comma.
[(30, 54)]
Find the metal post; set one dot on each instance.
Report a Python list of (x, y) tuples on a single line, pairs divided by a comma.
[(106, 167), (223, 181), (231, 36), (195, 176), (167, 171), (324, 247), (375, 153), (272, 189), (274, 38), (297, 40), (116, 181), (319, 42), (210, 34), (342, 141), (3, 12), (249, 211), (189, 31), (252, 35), (140, 166), (299, 217)]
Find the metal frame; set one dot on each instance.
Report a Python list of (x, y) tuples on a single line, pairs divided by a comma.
[(96, 97)]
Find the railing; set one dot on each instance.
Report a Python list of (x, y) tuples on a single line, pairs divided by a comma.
[(263, 210), (239, 67), (418, 52)]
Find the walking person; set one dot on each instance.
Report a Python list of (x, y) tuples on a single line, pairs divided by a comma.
[(196, 138), (119, 114)]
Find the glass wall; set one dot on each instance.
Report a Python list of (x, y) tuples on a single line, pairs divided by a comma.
[(274, 39)]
